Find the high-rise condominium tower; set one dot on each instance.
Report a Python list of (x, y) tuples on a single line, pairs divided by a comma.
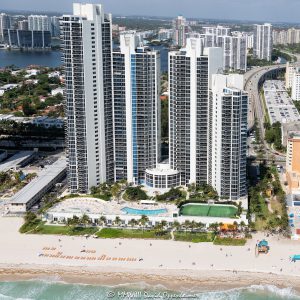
[(180, 30), (39, 23), (87, 55), (263, 41), (234, 47), (190, 74), (136, 72), (228, 136), (5, 23)]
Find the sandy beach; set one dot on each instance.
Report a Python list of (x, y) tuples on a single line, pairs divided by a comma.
[(175, 265)]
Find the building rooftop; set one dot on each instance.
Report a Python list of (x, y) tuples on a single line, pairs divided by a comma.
[(288, 129), (41, 181), (279, 104), (15, 160)]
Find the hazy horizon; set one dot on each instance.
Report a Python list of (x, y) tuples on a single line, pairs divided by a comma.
[(256, 10)]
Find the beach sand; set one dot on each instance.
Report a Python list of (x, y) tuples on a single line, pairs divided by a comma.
[(175, 265)]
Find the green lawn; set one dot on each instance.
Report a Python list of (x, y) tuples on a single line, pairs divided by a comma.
[(114, 233), (229, 242), (64, 230), (195, 237), (203, 210)]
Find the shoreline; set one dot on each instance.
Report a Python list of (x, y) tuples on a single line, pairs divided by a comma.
[(186, 281)]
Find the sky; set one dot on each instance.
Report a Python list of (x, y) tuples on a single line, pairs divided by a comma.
[(256, 10)]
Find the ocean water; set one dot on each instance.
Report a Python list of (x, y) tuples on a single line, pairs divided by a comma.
[(53, 290)]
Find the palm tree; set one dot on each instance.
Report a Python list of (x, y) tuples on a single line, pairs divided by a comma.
[(102, 220), (242, 225), (176, 225), (164, 223), (200, 225), (93, 190), (193, 225), (158, 228), (214, 227), (132, 222), (117, 221), (143, 220), (115, 190), (85, 220), (75, 220), (186, 224), (70, 222)]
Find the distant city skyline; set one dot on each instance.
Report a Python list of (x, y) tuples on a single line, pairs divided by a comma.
[(256, 10)]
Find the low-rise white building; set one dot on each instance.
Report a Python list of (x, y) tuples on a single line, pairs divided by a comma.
[(27, 197), (55, 74), (279, 104), (57, 91), (7, 87)]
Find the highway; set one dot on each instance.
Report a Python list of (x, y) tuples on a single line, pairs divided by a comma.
[(256, 108)]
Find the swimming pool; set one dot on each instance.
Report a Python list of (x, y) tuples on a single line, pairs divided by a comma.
[(145, 212)]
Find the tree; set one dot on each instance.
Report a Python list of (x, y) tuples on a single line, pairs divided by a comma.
[(93, 190), (158, 228), (214, 227), (176, 225), (28, 110), (117, 221), (85, 220), (164, 223), (239, 209), (186, 225), (115, 190), (102, 220), (143, 220), (200, 225), (30, 217), (135, 194), (132, 222), (193, 225)]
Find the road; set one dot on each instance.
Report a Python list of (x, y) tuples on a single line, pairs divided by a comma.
[(256, 108)]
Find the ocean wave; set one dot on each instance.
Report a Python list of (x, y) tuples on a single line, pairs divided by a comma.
[(49, 288), (284, 293), (260, 291), (5, 297)]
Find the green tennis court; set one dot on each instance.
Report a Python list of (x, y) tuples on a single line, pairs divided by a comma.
[(203, 210)]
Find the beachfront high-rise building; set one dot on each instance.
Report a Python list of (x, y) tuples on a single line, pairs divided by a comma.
[(136, 76), (263, 41), (190, 75), (87, 56), (39, 23), (5, 23), (180, 30), (228, 137)]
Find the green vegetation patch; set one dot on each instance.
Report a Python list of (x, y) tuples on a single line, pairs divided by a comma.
[(114, 233), (229, 242), (135, 194), (64, 230), (194, 237), (202, 210)]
